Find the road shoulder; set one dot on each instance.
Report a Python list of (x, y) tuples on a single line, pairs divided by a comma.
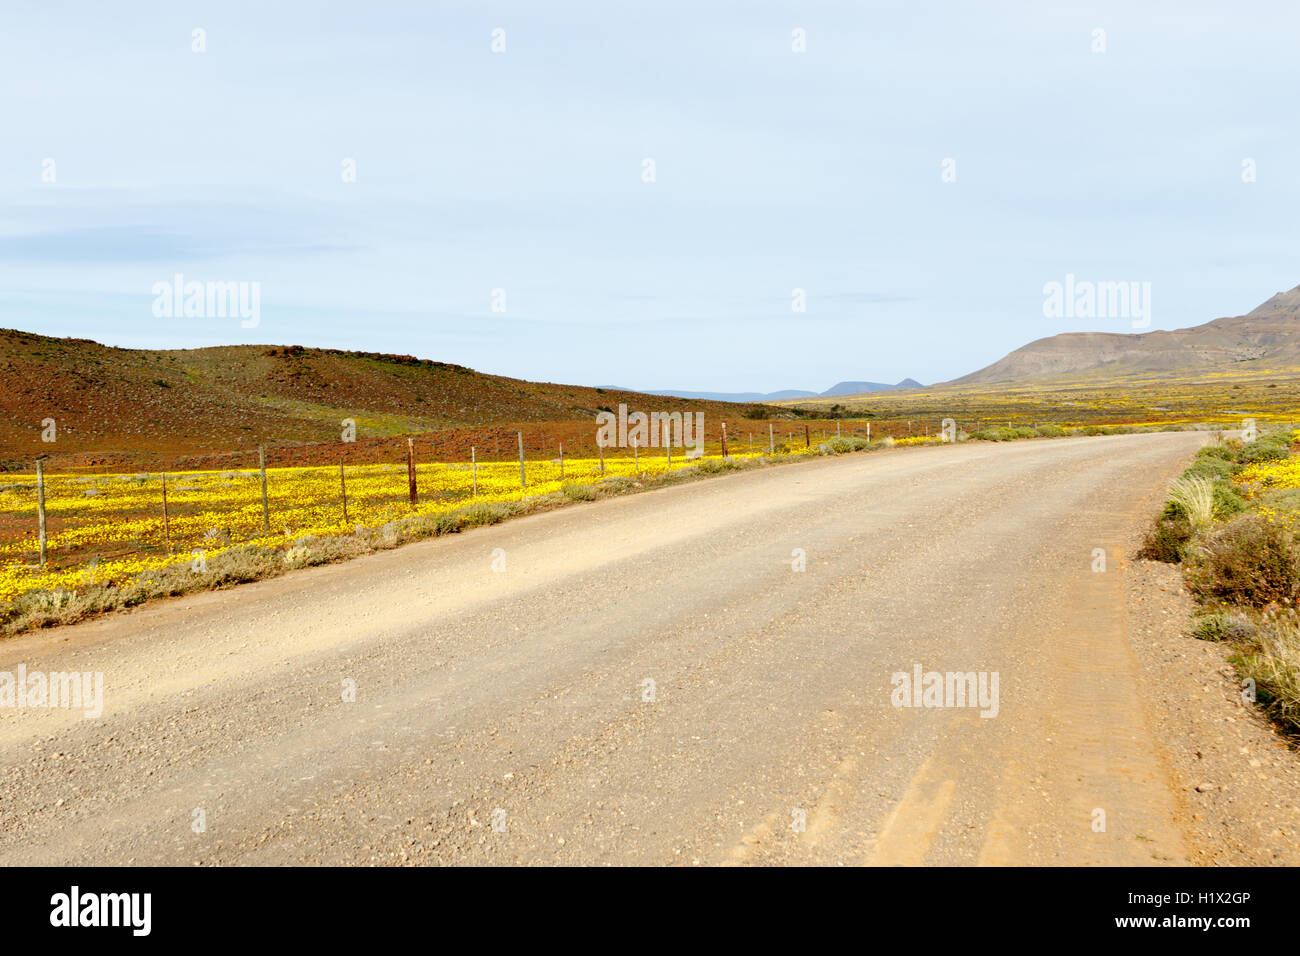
[(1237, 780)]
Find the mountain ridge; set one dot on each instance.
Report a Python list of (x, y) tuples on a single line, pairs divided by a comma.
[(840, 388), (1265, 334)]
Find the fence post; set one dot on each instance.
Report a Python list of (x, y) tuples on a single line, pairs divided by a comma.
[(410, 471), (343, 484), (807, 439), (561, 461), (167, 527), (261, 466), (724, 439), (868, 432), (636, 456), (40, 505), (523, 478), (473, 468), (668, 445), (602, 455), (837, 429), (771, 440)]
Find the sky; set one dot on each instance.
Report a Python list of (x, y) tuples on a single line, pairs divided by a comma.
[(840, 191)]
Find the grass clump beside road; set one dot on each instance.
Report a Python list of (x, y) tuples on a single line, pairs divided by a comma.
[(841, 445), (1020, 432), (1233, 524), (1222, 626), (1271, 662)]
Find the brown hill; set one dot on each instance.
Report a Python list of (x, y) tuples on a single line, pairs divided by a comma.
[(113, 405), (1263, 338)]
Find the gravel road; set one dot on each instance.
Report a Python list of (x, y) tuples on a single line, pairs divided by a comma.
[(644, 680)]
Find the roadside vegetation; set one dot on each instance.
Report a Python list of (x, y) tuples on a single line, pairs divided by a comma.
[(119, 552), (1019, 432), (1232, 522), (83, 584)]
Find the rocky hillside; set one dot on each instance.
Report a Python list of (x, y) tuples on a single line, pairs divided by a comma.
[(122, 403), (1266, 337)]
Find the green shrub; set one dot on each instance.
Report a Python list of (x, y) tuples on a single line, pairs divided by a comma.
[(1248, 561), (1264, 449), (713, 466), (1222, 626), (1004, 434), (484, 513), (1226, 500), (1167, 539), (580, 492), (1050, 431), (616, 484), (843, 444), (1216, 469), (1221, 452)]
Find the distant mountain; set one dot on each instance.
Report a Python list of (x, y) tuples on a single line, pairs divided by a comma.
[(842, 388), (1266, 337), (857, 388)]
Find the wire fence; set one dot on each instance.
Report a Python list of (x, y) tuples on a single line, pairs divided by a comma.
[(78, 527)]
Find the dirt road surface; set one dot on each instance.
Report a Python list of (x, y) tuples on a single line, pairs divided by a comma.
[(643, 680)]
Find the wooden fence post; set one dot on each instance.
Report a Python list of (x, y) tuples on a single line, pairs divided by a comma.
[(724, 439), (807, 439), (343, 485), (410, 471), (40, 505), (771, 440), (561, 461), (636, 456), (167, 527), (261, 466), (602, 455), (473, 467), (523, 478)]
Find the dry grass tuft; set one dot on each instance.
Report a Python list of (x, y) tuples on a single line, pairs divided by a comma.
[(1194, 497)]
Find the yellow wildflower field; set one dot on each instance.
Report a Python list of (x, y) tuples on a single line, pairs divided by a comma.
[(106, 529), (1256, 481), (1271, 474)]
